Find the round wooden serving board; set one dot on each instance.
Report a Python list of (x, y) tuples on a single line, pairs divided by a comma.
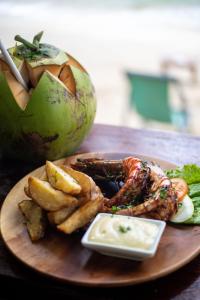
[(63, 257)]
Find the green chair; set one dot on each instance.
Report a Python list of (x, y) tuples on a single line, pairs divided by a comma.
[(150, 98)]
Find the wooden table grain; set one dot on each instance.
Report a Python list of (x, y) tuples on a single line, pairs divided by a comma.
[(183, 284)]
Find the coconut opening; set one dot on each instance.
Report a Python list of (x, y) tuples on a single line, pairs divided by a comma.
[(20, 94), (66, 76), (58, 80), (62, 73), (73, 62), (36, 73), (24, 72)]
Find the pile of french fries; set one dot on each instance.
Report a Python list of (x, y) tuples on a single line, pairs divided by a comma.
[(69, 199)]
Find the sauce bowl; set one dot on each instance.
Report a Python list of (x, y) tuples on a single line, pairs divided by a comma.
[(125, 237)]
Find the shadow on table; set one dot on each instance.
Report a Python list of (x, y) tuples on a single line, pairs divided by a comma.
[(11, 172)]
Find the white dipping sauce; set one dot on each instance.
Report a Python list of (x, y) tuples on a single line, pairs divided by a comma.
[(126, 231)]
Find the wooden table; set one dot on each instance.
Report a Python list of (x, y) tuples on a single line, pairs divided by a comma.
[(183, 284)]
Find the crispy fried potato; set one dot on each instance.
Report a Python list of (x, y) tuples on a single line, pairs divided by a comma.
[(59, 216), (44, 176), (90, 190), (35, 219), (26, 188), (47, 197), (61, 180), (81, 216)]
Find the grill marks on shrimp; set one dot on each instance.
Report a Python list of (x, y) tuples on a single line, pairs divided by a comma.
[(160, 203), (145, 180), (136, 178)]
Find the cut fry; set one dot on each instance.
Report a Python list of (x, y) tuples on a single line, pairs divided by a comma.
[(59, 216), (61, 180), (35, 219), (26, 188), (47, 197), (81, 216), (89, 191), (43, 176)]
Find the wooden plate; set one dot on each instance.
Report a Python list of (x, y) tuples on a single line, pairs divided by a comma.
[(62, 257)]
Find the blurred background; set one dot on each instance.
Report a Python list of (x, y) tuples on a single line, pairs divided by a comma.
[(143, 56)]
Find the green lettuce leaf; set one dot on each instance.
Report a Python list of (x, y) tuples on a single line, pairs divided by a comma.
[(195, 219), (194, 190), (191, 173)]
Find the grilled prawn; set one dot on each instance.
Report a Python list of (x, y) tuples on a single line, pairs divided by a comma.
[(140, 179), (136, 180), (161, 201), (132, 171)]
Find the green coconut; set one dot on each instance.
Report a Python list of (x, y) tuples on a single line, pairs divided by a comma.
[(51, 119)]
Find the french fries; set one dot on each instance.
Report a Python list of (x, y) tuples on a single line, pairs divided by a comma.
[(57, 217), (47, 197), (81, 216), (61, 180), (35, 219), (70, 199), (89, 189), (26, 188)]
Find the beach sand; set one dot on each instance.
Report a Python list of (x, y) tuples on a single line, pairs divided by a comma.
[(110, 42)]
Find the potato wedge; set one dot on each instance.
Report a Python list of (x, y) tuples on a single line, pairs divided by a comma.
[(61, 180), (43, 176), (89, 191), (59, 216), (47, 197), (26, 188), (81, 216), (35, 219)]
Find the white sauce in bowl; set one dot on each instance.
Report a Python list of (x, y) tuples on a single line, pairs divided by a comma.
[(126, 231)]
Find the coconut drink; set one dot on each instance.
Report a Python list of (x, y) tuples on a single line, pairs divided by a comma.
[(49, 116)]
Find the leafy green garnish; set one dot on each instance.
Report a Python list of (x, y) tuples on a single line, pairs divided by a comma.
[(194, 190), (124, 229), (191, 173), (114, 208), (180, 204), (144, 165), (195, 219), (163, 193)]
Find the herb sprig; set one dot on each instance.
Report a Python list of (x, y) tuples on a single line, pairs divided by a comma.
[(124, 229)]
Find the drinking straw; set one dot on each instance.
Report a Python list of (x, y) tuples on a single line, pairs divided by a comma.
[(12, 65)]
